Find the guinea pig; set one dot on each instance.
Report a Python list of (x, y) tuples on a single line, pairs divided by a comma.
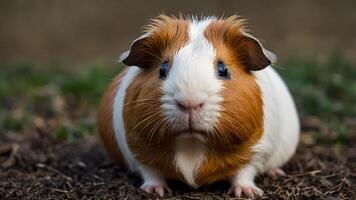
[(199, 101)]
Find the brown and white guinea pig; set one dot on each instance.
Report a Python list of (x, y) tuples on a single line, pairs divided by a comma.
[(199, 102)]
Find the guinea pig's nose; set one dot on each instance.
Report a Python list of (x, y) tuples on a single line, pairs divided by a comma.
[(188, 106)]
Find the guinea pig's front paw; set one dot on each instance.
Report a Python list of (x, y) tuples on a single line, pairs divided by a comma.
[(155, 187), (250, 190)]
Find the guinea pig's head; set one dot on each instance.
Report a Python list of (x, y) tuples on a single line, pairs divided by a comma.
[(199, 77)]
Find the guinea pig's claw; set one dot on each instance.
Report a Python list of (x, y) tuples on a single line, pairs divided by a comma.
[(156, 188), (249, 191)]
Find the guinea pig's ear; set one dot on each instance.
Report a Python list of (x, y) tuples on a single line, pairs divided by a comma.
[(139, 54), (252, 54)]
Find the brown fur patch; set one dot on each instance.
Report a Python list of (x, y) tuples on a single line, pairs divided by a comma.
[(230, 34), (105, 120), (166, 36)]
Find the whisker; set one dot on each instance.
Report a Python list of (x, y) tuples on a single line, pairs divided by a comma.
[(153, 130), (137, 125), (144, 105), (139, 100)]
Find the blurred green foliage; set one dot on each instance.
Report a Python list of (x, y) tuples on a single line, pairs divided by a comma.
[(324, 89), (69, 96), (64, 95)]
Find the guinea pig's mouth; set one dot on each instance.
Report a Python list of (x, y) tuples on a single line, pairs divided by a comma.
[(192, 133)]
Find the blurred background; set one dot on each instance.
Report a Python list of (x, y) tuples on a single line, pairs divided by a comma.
[(86, 31), (56, 57)]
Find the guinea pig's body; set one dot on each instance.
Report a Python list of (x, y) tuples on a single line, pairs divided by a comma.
[(199, 102)]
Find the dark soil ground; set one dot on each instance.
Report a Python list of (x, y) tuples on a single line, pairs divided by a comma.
[(36, 166)]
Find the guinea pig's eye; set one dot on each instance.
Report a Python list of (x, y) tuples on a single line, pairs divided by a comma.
[(163, 71), (222, 71)]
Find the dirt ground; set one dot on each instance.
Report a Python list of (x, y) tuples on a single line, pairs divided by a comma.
[(36, 166)]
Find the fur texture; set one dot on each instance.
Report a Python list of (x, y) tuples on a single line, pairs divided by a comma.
[(243, 126)]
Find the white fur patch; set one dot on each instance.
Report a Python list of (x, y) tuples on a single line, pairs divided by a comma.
[(281, 123), (190, 153), (118, 122), (192, 79)]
